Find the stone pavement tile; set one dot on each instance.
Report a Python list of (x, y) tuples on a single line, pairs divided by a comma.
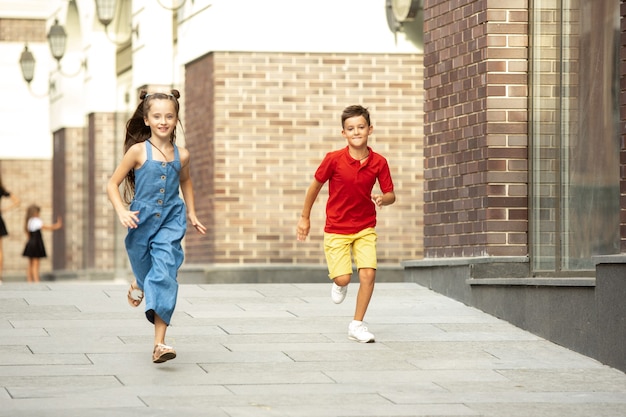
[(281, 350), (601, 379), (521, 409)]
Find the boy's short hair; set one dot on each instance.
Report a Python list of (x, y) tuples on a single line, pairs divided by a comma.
[(356, 110)]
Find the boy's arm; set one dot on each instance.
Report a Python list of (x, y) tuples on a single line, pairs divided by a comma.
[(304, 224), (385, 199)]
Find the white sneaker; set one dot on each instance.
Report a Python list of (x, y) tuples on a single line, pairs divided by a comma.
[(338, 294), (358, 331)]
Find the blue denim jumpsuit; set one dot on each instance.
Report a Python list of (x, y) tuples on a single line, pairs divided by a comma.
[(154, 247)]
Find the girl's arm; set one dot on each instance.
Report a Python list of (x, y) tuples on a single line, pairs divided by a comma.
[(54, 226), (304, 224), (14, 200), (131, 160), (186, 187)]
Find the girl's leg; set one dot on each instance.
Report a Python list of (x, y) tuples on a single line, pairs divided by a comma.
[(159, 330), (367, 277), (161, 352), (1, 260), (29, 270), (35, 271)]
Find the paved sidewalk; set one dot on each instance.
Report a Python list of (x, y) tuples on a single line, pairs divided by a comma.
[(78, 349)]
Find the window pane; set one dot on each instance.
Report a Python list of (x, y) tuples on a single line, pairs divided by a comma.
[(575, 141)]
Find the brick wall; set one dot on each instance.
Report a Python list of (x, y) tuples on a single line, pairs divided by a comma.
[(259, 124), (622, 109), (475, 59), (22, 30)]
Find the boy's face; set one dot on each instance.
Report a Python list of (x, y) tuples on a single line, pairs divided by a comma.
[(356, 130)]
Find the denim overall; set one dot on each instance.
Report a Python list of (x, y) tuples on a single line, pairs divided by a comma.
[(154, 247)]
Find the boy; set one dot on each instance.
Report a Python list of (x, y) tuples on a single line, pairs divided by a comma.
[(351, 213)]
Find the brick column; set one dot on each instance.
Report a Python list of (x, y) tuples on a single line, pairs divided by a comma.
[(476, 112), (622, 110)]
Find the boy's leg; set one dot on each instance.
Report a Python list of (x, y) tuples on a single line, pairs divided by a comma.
[(339, 262), (364, 248), (367, 278)]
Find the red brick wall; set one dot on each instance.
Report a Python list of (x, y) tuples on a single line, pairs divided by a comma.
[(259, 124), (622, 109), (475, 128), (22, 30)]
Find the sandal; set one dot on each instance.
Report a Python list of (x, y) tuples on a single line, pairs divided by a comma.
[(163, 353), (135, 295)]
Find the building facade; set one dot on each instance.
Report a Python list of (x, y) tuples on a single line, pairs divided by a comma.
[(260, 109), (524, 166), (503, 125)]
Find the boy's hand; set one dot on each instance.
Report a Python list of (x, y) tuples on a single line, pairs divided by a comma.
[(302, 231), (377, 199)]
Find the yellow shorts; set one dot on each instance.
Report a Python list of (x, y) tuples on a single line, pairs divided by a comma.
[(338, 248)]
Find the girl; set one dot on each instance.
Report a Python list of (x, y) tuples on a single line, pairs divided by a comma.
[(35, 249), (152, 169), (3, 229)]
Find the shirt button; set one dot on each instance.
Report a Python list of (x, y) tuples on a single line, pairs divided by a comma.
[(163, 164), (158, 215), (162, 190), (160, 202), (163, 177)]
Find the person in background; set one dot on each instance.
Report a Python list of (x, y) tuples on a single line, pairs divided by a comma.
[(35, 248), (3, 229)]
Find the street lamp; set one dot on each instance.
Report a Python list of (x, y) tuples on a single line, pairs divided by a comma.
[(57, 38), (105, 9), (27, 63)]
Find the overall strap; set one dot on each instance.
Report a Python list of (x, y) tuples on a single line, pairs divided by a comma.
[(148, 151), (176, 155)]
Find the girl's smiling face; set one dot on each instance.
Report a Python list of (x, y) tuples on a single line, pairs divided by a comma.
[(356, 130), (161, 118)]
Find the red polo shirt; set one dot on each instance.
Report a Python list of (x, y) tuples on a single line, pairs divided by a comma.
[(350, 208)]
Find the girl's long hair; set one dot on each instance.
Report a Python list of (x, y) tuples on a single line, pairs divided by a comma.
[(137, 131), (32, 211)]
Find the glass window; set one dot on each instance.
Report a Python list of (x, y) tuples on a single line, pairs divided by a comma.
[(574, 139)]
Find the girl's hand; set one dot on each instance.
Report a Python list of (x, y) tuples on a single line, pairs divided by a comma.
[(129, 218), (197, 225)]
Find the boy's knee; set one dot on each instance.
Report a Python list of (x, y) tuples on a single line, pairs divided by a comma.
[(367, 274), (342, 280)]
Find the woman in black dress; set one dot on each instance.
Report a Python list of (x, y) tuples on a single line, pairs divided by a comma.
[(35, 249), (3, 229)]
